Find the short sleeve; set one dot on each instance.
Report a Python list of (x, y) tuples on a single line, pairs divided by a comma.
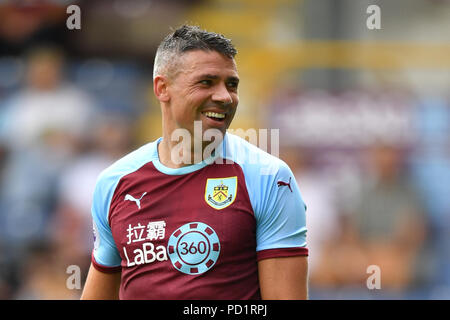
[(280, 215), (105, 256)]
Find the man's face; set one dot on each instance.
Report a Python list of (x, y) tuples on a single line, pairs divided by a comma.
[(204, 88)]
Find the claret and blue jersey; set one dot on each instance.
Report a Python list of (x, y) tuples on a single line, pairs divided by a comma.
[(196, 232)]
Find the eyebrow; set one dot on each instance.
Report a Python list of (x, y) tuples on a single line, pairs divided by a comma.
[(215, 77)]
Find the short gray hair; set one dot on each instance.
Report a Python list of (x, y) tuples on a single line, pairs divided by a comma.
[(188, 38)]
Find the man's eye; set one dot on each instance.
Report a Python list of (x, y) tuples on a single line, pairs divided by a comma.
[(206, 82), (233, 84)]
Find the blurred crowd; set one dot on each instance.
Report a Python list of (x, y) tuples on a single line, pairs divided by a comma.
[(55, 139), (382, 204), (63, 119)]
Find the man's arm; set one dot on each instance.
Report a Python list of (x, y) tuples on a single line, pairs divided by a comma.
[(101, 286), (284, 278)]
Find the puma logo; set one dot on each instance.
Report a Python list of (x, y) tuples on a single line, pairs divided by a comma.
[(138, 201), (282, 183)]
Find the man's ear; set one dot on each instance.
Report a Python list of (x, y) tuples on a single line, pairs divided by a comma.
[(160, 87)]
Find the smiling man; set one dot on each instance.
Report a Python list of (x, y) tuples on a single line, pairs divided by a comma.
[(200, 85), (217, 228)]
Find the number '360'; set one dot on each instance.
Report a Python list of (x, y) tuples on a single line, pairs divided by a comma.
[(193, 247)]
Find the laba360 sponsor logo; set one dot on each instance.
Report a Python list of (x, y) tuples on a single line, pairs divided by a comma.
[(193, 248), (147, 252)]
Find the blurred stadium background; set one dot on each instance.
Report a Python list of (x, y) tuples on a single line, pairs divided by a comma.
[(363, 118)]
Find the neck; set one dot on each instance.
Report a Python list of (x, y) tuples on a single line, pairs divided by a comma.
[(185, 152)]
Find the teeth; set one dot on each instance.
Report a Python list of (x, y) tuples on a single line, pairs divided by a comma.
[(214, 115)]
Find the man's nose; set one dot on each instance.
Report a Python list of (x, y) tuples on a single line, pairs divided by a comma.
[(222, 95)]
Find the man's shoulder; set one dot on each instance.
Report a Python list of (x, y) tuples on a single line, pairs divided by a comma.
[(129, 163), (252, 157)]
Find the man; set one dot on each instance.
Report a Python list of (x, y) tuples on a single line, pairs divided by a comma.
[(172, 221)]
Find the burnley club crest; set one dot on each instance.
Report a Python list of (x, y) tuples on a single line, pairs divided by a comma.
[(220, 192)]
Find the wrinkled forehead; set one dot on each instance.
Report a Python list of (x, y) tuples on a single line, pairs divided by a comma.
[(206, 61)]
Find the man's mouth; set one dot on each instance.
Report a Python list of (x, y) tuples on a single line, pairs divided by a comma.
[(214, 115)]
